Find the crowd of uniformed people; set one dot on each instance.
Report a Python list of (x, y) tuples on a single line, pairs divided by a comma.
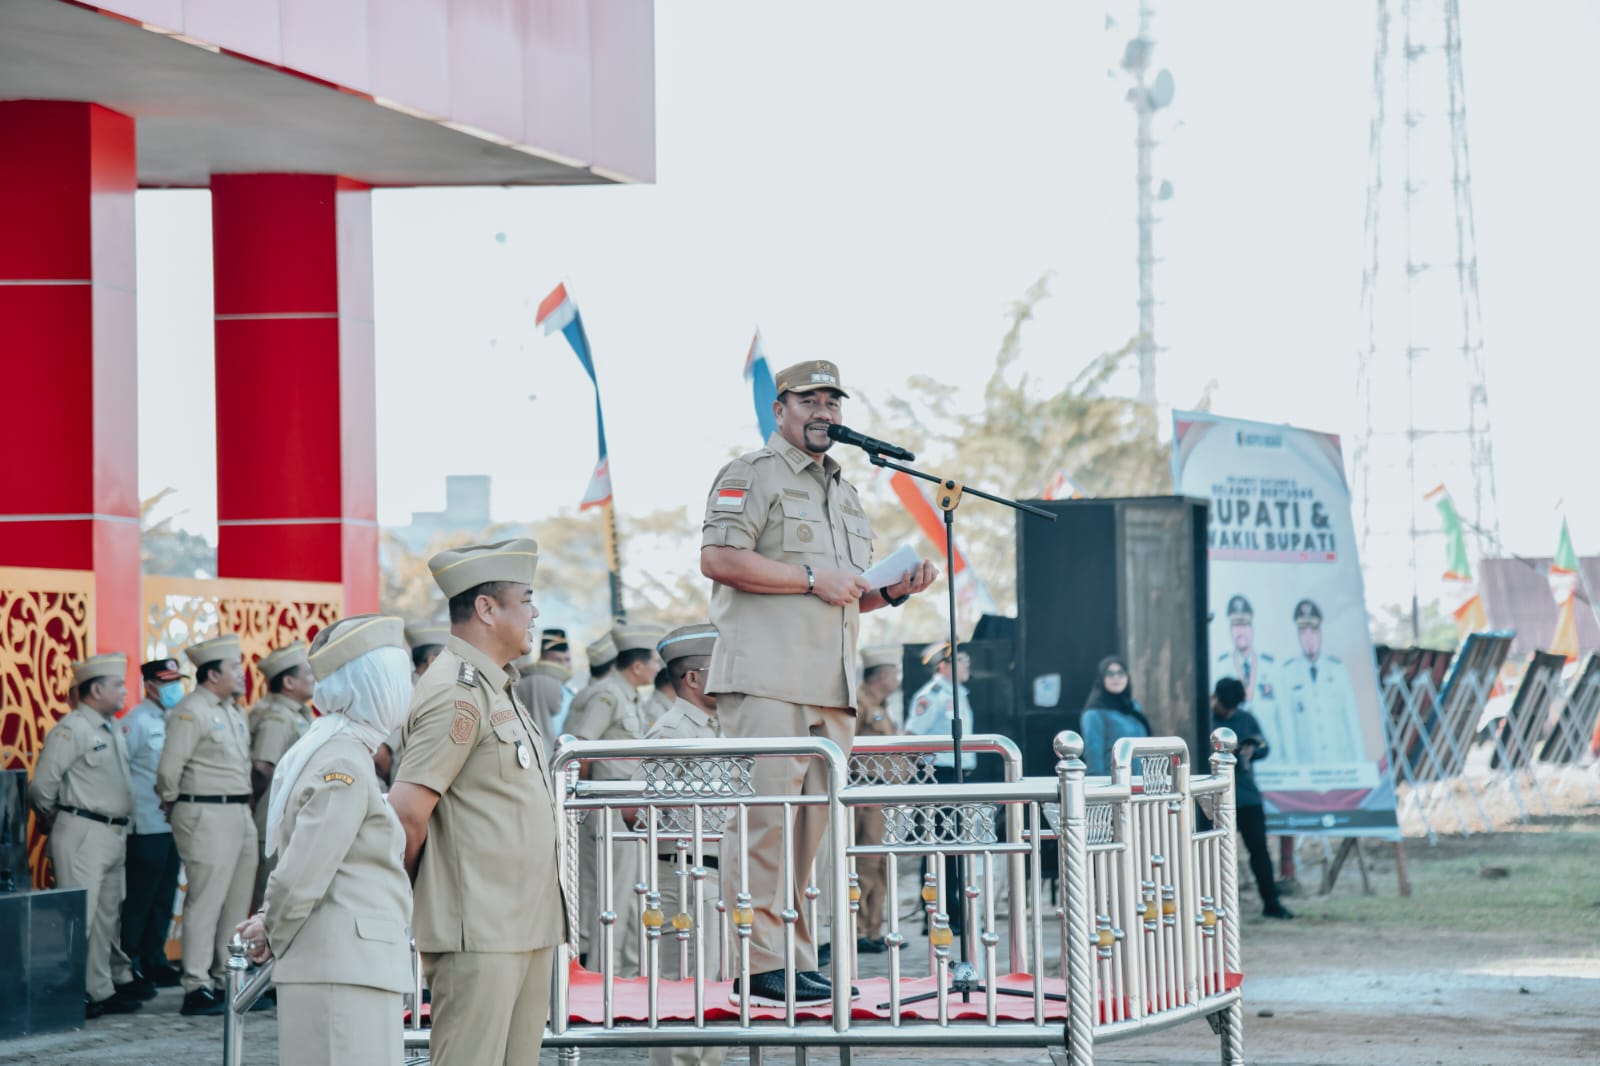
[(392, 783)]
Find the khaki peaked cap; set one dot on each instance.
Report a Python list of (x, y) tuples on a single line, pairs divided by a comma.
[(601, 651), (95, 667), (886, 655), (281, 659), (809, 376), (685, 641), (422, 634), (214, 650), (350, 638), (636, 638), (459, 569)]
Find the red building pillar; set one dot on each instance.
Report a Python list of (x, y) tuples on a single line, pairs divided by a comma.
[(296, 444), (69, 483)]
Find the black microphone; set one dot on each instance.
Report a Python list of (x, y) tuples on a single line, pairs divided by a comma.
[(846, 435)]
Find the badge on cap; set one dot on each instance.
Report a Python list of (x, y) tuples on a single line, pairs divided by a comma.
[(524, 759)]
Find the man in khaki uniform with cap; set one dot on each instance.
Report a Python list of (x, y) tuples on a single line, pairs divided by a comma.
[(541, 685), (602, 657), (204, 777), (426, 640), (785, 540), (880, 677), (277, 720), (84, 797), (692, 716), (615, 712), (479, 810)]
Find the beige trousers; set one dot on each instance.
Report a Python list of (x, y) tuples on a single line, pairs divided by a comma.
[(217, 843), (339, 1025), (91, 855), (677, 965), (872, 873), (756, 716), (489, 1008), (625, 874)]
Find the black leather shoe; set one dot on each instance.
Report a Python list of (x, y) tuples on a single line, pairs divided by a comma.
[(868, 946), (163, 976), (112, 1004), (204, 1003), (766, 989), (815, 979), (91, 1009), (1280, 912), (139, 989), (267, 1000)]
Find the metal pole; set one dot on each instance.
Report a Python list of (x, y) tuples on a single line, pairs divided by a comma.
[(1074, 844), (1224, 743), (233, 1018)]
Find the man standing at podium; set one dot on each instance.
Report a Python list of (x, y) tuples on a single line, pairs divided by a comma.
[(786, 540)]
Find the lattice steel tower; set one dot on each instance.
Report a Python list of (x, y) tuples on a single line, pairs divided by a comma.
[(1424, 397)]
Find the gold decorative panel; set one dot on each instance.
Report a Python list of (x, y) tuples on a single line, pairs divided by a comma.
[(178, 611), (46, 623)]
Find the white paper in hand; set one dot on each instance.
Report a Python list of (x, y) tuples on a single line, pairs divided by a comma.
[(891, 570)]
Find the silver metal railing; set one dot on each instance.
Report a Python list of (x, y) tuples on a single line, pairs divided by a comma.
[(1145, 936)]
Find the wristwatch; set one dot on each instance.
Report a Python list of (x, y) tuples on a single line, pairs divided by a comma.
[(892, 601)]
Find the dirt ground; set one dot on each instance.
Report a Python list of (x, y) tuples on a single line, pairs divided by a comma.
[(1494, 960)]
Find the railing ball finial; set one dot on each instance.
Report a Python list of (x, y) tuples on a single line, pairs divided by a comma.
[(1069, 745), (1224, 739)]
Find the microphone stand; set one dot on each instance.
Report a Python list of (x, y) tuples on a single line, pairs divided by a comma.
[(963, 976)]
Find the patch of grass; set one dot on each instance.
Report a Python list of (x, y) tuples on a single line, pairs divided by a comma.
[(1550, 892)]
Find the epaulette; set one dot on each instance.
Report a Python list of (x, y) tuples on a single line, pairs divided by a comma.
[(467, 675)]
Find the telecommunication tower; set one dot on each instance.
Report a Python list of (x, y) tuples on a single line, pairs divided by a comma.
[(1423, 392), (1148, 95)]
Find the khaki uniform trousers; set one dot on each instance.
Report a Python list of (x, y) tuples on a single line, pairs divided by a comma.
[(871, 872), (91, 855), (625, 874), (757, 716), (667, 882), (489, 1007), (217, 843), (339, 1025)]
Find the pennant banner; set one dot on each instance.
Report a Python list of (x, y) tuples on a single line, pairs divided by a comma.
[(1465, 602), (558, 312), (1564, 587)]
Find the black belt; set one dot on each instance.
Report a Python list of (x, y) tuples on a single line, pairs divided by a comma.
[(710, 862), (93, 817), (214, 799)]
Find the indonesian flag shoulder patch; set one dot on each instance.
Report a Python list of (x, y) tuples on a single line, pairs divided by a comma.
[(729, 497)]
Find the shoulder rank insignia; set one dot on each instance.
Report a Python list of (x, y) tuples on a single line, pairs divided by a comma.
[(343, 779), (501, 717), (467, 675), (465, 723)]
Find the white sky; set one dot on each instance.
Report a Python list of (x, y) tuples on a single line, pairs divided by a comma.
[(875, 183)]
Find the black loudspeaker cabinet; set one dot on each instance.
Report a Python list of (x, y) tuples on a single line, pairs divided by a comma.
[(990, 687), (1112, 577)]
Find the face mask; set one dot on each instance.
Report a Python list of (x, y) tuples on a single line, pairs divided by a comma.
[(169, 694)]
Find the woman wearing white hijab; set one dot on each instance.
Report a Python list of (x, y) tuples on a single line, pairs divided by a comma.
[(337, 909)]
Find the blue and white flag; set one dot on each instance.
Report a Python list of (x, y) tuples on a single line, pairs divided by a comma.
[(558, 312)]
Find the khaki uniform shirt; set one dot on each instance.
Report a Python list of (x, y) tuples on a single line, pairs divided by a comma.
[(872, 719), (84, 764), (659, 703), (540, 691), (276, 722), (207, 751), (612, 713), (685, 721), (784, 506), (492, 843), (338, 904)]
